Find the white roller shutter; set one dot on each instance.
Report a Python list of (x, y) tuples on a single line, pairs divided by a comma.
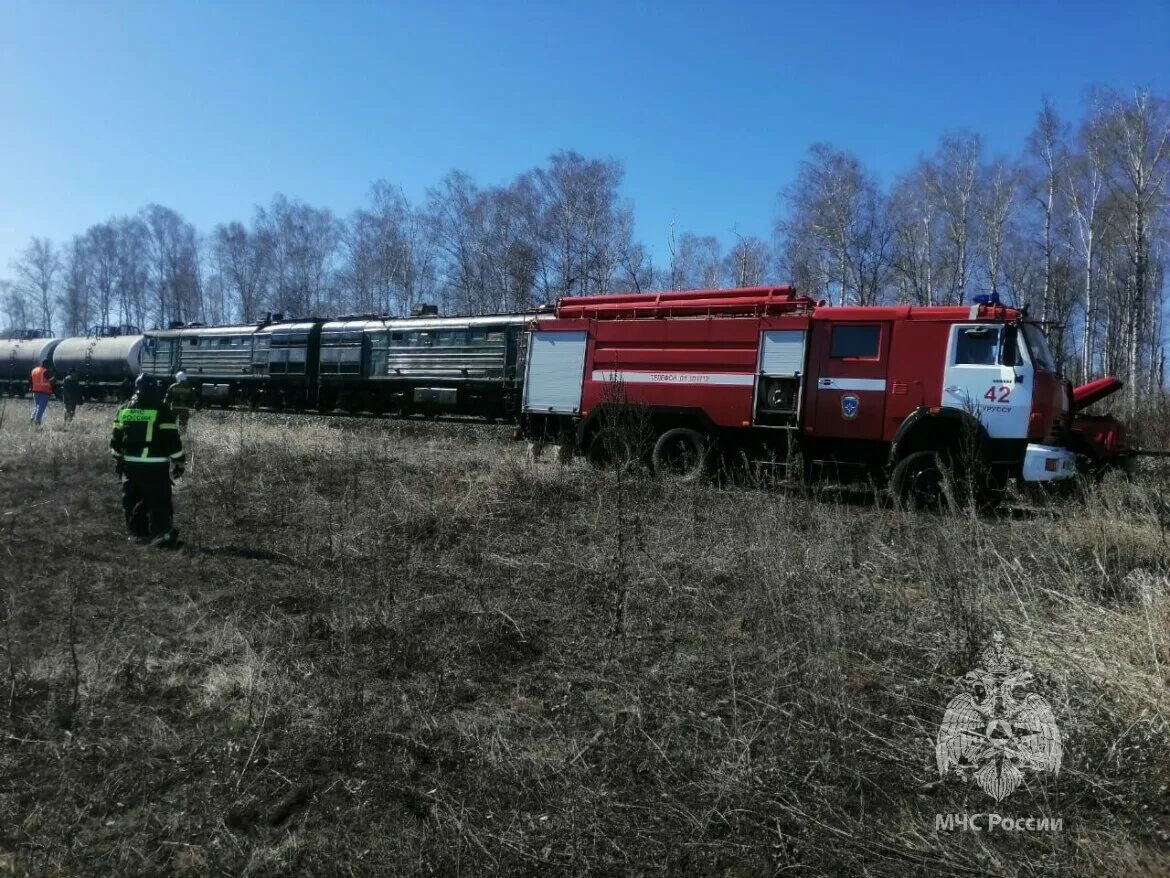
[(556, 367), (782, 352)]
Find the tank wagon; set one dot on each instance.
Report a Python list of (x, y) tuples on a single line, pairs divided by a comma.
[(18, 357), (104, 362)]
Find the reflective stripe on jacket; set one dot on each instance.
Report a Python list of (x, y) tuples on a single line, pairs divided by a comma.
[(146, 433), (40, 380)]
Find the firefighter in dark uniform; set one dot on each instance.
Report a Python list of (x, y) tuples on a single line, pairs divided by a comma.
[(181, 398), (147, 449), (71, 394)]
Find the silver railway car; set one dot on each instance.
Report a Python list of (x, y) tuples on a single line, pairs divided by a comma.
[(286, 354), (418, 365), (217, 359), (258, 364), (18, 357), (424, 365), (105, 365)]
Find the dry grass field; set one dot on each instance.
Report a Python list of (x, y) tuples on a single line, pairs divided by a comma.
[(395, 647)]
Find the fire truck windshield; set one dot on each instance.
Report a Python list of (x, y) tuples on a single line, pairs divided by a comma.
[(1038, 346)]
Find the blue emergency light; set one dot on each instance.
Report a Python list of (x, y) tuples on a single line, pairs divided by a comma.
[(987, 299)]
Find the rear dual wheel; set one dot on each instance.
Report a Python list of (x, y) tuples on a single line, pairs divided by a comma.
[(682, 453), (610, 448)]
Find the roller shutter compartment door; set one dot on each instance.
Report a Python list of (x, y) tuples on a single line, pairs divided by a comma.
[(556, 367), (782, 352)]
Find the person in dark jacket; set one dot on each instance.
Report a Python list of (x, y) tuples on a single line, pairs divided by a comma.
[(70, 394), (147, 451), (181, 398)]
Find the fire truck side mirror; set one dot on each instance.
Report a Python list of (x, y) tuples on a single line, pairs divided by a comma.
[(1010, 355)]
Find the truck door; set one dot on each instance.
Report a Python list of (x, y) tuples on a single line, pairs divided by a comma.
[(850, 388), (977, 380)]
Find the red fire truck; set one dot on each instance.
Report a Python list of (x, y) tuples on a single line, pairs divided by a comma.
[(939, 403)]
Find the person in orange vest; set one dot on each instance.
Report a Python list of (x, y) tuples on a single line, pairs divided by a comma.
[(42, 389)]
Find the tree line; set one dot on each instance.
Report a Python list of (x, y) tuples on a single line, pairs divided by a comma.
[(1076, 226)]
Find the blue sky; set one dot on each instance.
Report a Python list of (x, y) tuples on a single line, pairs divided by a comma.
[(211, 108)]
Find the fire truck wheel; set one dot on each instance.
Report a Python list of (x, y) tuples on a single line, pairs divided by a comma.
[(681, 452), (610, 449), (922, 481)]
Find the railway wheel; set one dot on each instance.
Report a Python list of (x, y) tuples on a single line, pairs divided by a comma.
[(681, 452)]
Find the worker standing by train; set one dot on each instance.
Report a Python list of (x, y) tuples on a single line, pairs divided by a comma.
[(42, 390), (147, 451), (70, 394), (181, 398)]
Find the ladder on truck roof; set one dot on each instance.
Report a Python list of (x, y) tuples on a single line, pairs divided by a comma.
[(738, 302)]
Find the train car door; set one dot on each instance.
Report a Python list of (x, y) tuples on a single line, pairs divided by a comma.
[(850, 360), (514, 352)]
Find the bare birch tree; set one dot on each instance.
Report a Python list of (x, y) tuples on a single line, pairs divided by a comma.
[(996, 207), (951, 179), (747, 263), (37, 270), (1045, 149), (834, 228), (1083, 183), (1137, 147), (304, 242)]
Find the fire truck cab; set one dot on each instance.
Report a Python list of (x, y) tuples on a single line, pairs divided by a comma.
[(930, 400)]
